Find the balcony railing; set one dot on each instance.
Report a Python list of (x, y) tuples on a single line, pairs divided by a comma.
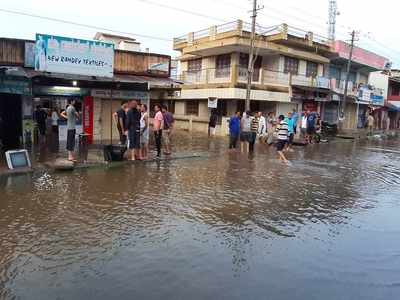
[(238, 74), (394, 98), (241, 26)]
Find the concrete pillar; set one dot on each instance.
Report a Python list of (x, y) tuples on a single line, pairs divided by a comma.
[(190, 123), (234, 75), (213, 32), (240, 26), (190, 38), (310, 38), (285, 29)]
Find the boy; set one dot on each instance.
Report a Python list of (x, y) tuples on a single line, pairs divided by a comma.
[(283, 132)]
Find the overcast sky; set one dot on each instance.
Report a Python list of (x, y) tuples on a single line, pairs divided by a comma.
[(377, 20)]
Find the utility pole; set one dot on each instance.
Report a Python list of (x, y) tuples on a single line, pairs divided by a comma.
[(346, 84), (250, 69)]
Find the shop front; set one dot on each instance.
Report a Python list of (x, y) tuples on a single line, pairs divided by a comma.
[(103, 103), (14, 94), (69, 69), (310, 99), (96, 100)]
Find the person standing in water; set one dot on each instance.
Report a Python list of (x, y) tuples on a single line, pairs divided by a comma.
[(245, 131), (71, 115), (283, 132), (157, 128), (120, 119), (167, 129), (144, 132), (133, 129), (234, 130)]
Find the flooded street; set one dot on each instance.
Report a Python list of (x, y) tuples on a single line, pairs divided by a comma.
[(225, 226)]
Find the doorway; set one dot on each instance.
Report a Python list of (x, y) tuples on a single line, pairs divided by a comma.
[(10, 121)]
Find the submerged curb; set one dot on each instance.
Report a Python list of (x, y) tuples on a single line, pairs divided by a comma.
[(50, 167)]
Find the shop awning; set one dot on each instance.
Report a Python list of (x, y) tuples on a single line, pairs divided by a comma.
[(154, 82), (312, 89), (13, 71), (54, 79), (119, 81), (394, 105)]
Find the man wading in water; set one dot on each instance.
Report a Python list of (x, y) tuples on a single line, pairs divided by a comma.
[(283, 133)]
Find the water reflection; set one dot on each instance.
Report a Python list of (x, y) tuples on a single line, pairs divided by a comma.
[(227, 226)]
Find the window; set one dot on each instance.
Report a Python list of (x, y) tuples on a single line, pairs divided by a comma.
[(312, 69), (192, 107), (171, 105), (244, 65), (335, 73), (395, 90), (194, 65), (352, 78), (223, 66), (291, 65)]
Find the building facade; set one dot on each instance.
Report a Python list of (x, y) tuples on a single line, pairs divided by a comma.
[(99, 79), (367, 87), (294, 69), (394, 100), (289, 72)]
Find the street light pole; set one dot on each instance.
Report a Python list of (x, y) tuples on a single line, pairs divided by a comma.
[(250, 69)]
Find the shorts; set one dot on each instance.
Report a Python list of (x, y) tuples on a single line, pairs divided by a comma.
[(244, 136), (291, 138), (133, 139), (310, 130), (280, 145), (166, 137), (303, 132), (71, 139)]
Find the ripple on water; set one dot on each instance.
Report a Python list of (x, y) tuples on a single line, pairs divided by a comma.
[(227, 225)]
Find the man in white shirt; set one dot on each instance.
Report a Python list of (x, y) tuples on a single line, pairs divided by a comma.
[(303, 128), (262, 127)]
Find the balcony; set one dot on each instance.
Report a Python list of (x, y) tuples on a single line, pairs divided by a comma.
[(235, 35), (206, 76), (394, 98), (262, 78), (339, 87), (319, 82)]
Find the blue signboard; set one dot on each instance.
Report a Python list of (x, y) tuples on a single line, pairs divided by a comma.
[(377, 100), (19, 87), (73, 56)]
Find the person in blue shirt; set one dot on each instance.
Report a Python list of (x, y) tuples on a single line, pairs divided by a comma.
[(311, 120), (234, 130), (289, 120)]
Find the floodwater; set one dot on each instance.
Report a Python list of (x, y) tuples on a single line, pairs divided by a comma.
[(226, 226)]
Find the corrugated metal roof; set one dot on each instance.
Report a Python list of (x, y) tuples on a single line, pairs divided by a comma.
[(154, 82)]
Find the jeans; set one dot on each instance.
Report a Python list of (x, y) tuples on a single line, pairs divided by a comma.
[(252, 140), (158, 137)]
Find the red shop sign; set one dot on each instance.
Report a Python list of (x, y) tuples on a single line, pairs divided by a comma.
[(312, 106), (88, 108)]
